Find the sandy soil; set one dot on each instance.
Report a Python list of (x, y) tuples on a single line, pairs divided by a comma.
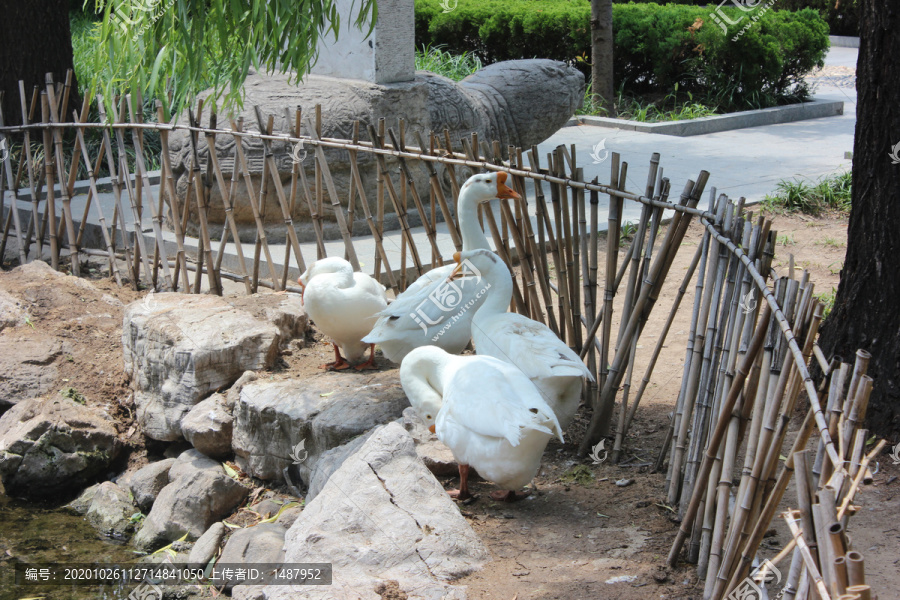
[(579, 530)]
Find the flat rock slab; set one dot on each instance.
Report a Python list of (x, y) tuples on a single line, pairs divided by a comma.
[(273, 418), (53, 446), (381, 517), (180, 347)]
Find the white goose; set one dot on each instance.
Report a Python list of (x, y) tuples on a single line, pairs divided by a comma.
[(343, 305), (552, 366), (424, 314), (504, 438)]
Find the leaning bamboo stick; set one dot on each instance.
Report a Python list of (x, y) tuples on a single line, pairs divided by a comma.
[(398, 209), (60, 171), (282, 200), (417, 200), (156, 216), (27, 116), (807, 557), (381, 253), (225, 193), (13, 205), (116, 179), (93, 191), (254, 206), (205, 248)]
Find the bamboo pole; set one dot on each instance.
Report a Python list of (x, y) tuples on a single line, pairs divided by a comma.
[(398, 208), (237, 127), (202, 210), (282, 200), (715, 440), (63, 189), (807, 557), (13, 206), (417, 200), (226, 194), (27, 116), (93, 192), (156, 216), (116, 179), (658, 349)]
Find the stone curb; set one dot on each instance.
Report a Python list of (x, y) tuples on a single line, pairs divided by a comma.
[(739, 120)]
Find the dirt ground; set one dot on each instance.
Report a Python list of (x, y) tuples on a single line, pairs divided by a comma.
[(579, 535)]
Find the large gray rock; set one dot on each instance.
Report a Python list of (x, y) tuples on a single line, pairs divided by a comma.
[(433, 452), (189, 505), (111, 510), (82, 503), (382, 516), (331, 461), (147, 482), (28, 367), (192, 461), (262, 544), (207, 546), (180, 347), (324, 411), (51, 446), (11, 312), (208, 427), (519, 103)]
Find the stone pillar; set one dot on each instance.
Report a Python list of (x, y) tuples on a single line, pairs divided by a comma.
[(386, 56)]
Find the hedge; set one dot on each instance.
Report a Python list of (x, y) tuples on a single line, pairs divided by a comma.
[(655, 47), (842, 17)]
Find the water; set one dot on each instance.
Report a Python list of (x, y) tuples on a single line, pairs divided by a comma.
[(38, 534)]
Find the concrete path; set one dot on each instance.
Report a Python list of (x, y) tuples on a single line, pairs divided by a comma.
[(743, 162)]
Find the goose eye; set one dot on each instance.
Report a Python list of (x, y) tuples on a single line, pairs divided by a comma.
[(534, 410), (427, 416)]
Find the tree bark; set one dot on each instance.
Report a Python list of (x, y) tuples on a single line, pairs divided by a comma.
[(866, 311), (602, 53), (34, 40)]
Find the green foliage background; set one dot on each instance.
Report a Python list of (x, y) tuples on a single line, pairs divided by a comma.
[(655, 46)]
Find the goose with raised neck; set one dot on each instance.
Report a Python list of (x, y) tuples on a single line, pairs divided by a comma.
[(415, 319)]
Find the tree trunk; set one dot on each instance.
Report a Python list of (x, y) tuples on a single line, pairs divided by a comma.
[(34, 40), (866, 311), (602, 53)]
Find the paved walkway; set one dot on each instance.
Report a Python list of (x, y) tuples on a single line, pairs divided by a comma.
[(743, 162)]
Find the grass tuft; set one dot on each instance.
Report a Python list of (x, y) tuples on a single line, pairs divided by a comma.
[(830, 193), (441, 62)]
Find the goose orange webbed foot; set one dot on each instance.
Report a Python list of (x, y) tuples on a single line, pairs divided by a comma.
[(339, 363), (369, 365)]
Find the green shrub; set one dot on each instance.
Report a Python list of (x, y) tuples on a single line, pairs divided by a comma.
[(655, 47), (842, 17)]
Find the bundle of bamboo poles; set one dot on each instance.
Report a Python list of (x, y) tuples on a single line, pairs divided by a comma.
[(743, 374)]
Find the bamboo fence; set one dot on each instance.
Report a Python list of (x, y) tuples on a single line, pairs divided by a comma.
[(747, 351)]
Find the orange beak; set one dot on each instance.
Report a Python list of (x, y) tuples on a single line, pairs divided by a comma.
[(302, 290), (457, 271), (503, 190), (431, 429)]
